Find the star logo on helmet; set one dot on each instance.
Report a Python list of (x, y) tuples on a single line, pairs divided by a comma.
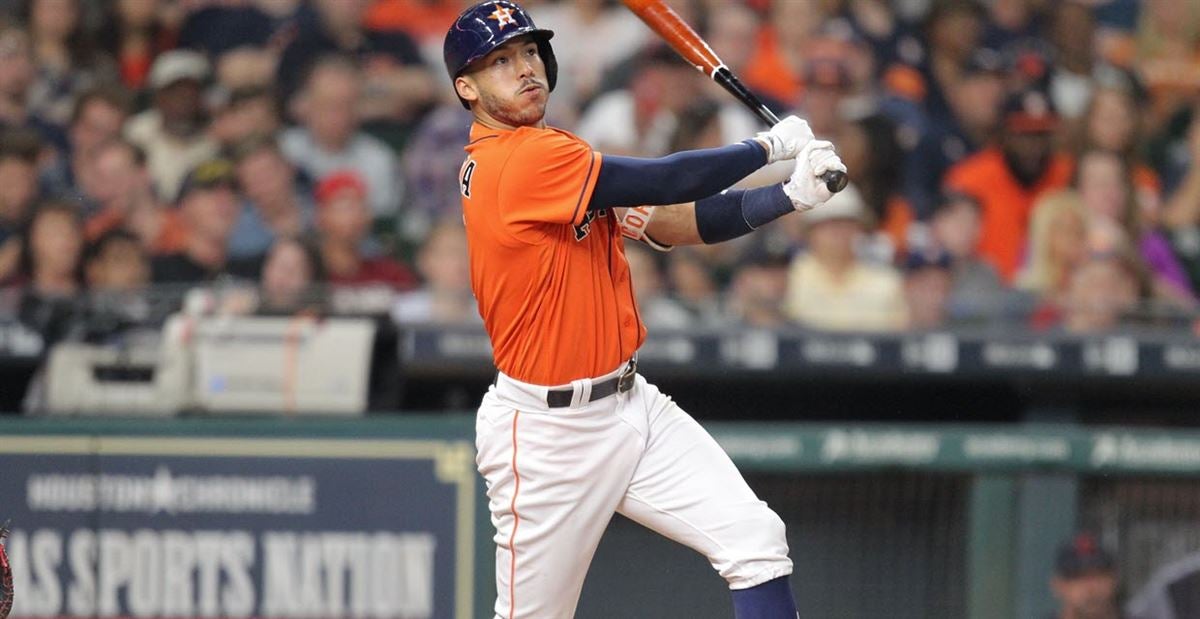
[(503, 15)]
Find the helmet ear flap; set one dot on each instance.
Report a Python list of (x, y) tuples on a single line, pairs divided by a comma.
[(548, 59)]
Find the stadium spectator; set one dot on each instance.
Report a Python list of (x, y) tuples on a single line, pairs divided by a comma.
[(1167, 44), (656, 309), (776, 68), (928, 283), (207, 205), (18, 191), (343, 222), (400, 85), (955, 229), (830, 287), (1058, 243), (173, 132), (97, 117), (693, 281), (124, 196), (756, 293), (974, 115), (953, 29), (602, 35), (1181, 212), (51, 270), (827, 83), (116, 263), (17, 74), (1072, 78), (330, 138), (66, 58), (1010, 22), (244, 113), (277, 203), (1008, 177), (1105, 186), (292, 279), (221, 27), (430, 166), (445, 292), (640, 118), (1085, 580), (116, 272), (134, 34)]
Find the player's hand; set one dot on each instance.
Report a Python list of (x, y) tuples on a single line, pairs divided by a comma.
[(786, 139), (806, 188)]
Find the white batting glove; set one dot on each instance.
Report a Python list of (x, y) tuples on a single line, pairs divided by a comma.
[(806, 188), (786, 139)]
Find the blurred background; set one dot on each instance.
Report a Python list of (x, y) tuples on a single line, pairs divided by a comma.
[(239, 354)]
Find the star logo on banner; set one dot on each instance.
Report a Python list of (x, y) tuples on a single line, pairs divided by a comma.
[(503, 15)]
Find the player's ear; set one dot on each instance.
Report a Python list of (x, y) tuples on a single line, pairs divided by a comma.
[(465, 87)]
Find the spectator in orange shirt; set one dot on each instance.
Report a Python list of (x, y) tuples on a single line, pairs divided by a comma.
[(1009, 176)]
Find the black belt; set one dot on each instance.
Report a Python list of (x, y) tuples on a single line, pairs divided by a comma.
[(561, 398)]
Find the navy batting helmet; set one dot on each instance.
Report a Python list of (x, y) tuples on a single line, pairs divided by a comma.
[(488, 25)]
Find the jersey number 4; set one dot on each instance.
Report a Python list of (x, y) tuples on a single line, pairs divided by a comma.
[(465, 180)]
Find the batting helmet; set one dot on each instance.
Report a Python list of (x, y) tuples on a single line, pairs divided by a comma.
[(488, 25)]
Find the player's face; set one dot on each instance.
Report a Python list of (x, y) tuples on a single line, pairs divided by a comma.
[(510, 84)]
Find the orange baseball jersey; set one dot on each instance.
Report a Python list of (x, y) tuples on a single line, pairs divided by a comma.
[(549, 275)]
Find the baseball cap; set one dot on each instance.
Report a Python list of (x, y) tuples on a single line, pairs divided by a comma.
[(337, 182), (208, 174), (846, 204), (176, 65), (1030, 111), (1082, 555)]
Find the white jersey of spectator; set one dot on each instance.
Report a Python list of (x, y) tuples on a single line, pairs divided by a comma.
[(168, 158), (369, 157)]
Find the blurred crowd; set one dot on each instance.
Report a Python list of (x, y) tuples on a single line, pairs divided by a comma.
[(1027, 162)]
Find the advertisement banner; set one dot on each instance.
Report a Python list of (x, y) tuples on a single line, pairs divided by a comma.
[(113, 526)]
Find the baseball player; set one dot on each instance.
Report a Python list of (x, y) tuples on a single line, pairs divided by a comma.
[(570, 433)]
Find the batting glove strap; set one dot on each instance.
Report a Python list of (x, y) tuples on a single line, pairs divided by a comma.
[(786, 139)]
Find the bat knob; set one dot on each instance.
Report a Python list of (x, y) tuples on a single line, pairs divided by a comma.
[(835, 180)]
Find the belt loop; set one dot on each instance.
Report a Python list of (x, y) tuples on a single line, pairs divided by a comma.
[(581, 392)]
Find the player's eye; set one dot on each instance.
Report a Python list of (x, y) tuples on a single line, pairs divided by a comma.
[(500, 60)]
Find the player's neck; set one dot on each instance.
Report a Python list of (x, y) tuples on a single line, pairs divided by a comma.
[(489, 121)]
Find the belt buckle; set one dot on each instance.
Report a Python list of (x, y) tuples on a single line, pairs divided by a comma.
[(626, 380)]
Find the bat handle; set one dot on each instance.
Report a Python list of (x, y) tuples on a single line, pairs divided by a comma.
[(835, 180)]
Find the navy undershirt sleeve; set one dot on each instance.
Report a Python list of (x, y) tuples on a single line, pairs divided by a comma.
[(675, 179)]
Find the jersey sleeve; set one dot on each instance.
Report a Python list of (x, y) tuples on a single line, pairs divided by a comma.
[(548, 178)]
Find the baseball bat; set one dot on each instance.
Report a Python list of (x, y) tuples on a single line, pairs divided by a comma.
[(671, 27)]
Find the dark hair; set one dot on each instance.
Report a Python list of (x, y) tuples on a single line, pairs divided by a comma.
[(80, 43), (692, 121), (94, 250), (252, 145), (20, 143), (44, 208), (111, 94), (316, 264)]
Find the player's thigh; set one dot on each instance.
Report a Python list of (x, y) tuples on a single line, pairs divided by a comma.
[(554, 480), (686, 488)]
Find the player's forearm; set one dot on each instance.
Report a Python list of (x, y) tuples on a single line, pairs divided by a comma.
[(718, 218), (675, 179), (674, 225)]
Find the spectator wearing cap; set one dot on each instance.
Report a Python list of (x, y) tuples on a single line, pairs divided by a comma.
[(207, 205), (173, 132), (928, 283), (330, 138), (1085, 580), (1007, 177), (278, 204), (830, 287), (401, 86), (955, 228), (343, 223), (120, 186), (97, 116), (974, 116)]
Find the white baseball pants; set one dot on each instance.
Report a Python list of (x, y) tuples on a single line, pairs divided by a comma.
[(555, 477)]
